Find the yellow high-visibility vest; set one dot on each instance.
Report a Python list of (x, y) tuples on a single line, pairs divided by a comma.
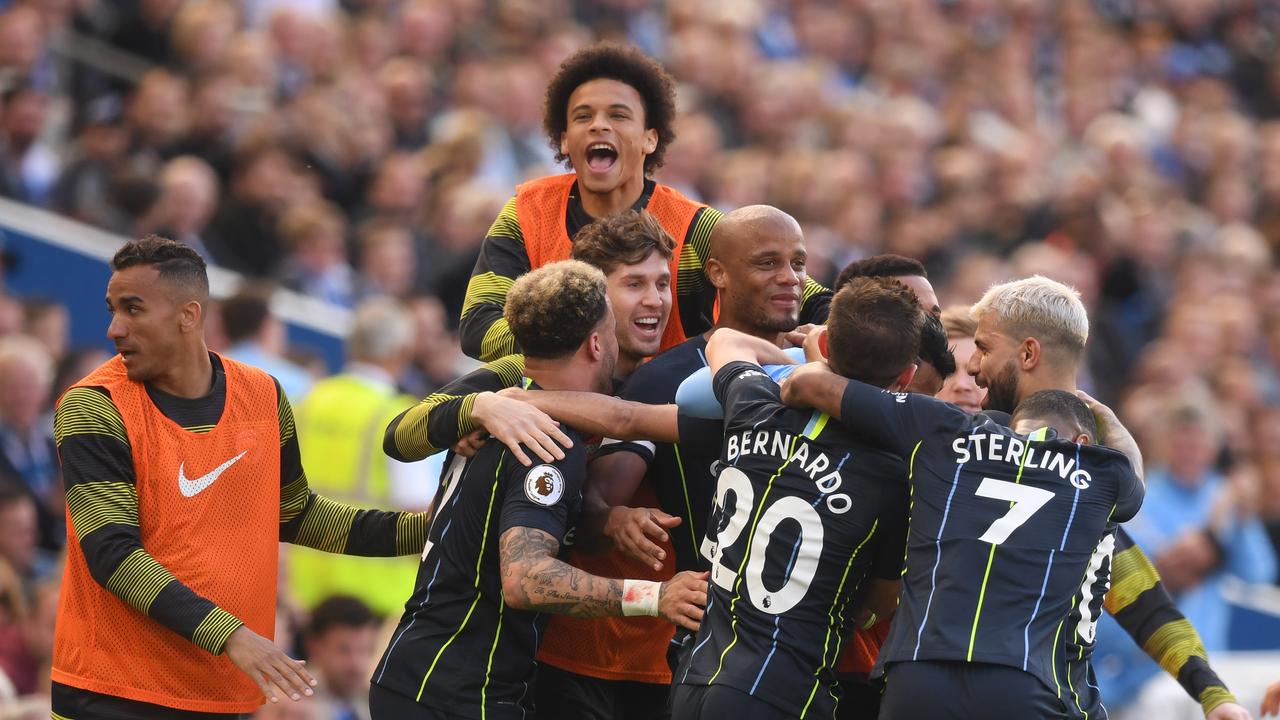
[(340, 428)]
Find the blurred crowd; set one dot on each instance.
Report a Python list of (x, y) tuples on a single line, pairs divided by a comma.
[(358, 149)]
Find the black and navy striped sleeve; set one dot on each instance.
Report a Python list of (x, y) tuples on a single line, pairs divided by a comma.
[(318, 522), (444, 417), (102, 501), (503, 258), (1142, 606)]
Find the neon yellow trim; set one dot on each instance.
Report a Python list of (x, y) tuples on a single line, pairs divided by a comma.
[(489, 668), (818, 426), (982, 594), (684, 487), (1053, 657), (826, 643), (493, 493), (733, 624)]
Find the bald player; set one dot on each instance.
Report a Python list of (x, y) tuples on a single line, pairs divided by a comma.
[(619, 668)]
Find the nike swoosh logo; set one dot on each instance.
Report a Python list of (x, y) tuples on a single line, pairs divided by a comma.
[(191, 488)]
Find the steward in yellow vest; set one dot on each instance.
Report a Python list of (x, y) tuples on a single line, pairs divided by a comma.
[(340, 424)]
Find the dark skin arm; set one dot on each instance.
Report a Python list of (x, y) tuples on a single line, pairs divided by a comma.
[(607, 520), (595, 414)]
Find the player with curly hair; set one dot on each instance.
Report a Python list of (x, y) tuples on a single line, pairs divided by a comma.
[(609, 116)]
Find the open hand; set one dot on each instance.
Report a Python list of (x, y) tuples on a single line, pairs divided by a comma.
[(682, 599), (515, 423), (268, 665), (636, 532)]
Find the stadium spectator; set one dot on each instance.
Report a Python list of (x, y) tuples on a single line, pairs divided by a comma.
[(388, 262), (28, 167), (340, 643), (315, 236), (257, 337), (27, 452), (19, 550), (340, 427), (49, 323), (1198, 525), (188, 200), (1132, 139)]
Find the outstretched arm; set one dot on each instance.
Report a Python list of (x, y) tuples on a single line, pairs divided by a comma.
[(447, 416), (533, 579), (605, 416), (323, 524), (1140, 604)]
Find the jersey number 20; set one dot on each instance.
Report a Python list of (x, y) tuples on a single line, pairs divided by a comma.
[(734, 483)]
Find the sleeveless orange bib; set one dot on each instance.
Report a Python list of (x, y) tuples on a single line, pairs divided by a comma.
[(220, 539), (542, 205)]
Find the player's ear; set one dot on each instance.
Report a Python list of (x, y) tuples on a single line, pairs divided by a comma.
[(1029, 353), (650, 141), (1083, 439), (715, 272), (904, 378), (564, 144), (189, 319)]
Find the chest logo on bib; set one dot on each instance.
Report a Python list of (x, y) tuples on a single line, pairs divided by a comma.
[(544, 485), (191, 488)]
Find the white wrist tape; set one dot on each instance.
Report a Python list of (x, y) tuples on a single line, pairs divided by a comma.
[(640, 597)]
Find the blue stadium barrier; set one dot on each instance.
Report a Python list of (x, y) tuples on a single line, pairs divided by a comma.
[(67, 261)]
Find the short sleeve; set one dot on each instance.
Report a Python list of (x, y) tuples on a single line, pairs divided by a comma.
[(544, 497), (1130, 491), (747, 393)]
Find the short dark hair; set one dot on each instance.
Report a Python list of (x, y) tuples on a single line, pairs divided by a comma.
[(553, 309), (627, 65), (623, 239), (244, 313), (874, 330), (933, 346), (1058, 405), (339, 611), (176, 262), (886, 265)]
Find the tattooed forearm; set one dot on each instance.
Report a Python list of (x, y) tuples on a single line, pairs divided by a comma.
[(533, 579)]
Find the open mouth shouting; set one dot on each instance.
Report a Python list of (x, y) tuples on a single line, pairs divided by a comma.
[(601, 157)]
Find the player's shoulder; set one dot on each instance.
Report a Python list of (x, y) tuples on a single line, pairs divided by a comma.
[(690, 355), (841, 439), (664, 373), (87, 402)]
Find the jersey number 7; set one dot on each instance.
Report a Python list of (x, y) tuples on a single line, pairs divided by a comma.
[(1024, 501)]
